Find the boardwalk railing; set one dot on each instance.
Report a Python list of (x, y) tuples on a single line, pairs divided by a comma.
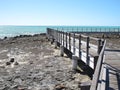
[(81, 29), (98, 71), (81, 47)]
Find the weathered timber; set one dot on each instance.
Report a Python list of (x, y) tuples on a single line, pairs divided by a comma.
[(87, 50), (80, 47)]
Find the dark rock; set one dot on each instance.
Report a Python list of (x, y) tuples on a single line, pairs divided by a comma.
[(12, 60), (16, 63), (31, 62), (8, 63), (5, 37), (15, 37), (59, 70), (9, 78), (36, 35), (42, 33), (49, 66)]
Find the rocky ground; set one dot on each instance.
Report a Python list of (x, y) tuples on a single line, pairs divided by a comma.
[(32, 63)]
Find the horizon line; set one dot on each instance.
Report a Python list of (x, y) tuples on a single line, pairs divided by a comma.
[(63, 25)]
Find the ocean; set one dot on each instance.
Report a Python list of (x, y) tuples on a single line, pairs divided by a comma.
[(11, 31)]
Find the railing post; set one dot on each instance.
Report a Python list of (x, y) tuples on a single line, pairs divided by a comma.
[(51, 36), (59, 36), (69, 41), (56, 36), (63, 38), (99, 46), (80, 47), (87, 51), (102, 42), (66, 39), (74, 43), (48, 34)]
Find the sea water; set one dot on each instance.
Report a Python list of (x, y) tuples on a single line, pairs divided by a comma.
[(11, 31)]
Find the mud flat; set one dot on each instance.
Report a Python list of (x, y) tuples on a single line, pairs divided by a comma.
[(32, 63)]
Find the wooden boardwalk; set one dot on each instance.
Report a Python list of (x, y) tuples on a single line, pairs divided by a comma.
[(107, 65), (112, 61)]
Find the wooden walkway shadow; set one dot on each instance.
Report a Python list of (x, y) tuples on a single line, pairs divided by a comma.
[(112, 78), (112, 61), (112, 50)]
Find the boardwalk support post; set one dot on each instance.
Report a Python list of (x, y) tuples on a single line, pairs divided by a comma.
[(51, 39), (74, 62), (85, 86), (61, 50), (55, 44)]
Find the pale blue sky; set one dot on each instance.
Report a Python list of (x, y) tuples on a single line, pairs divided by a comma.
[(60, 12)]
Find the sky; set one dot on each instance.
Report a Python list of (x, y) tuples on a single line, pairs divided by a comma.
[(60, 12)]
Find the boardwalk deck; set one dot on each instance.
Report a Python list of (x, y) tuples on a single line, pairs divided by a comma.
[(112, 61)]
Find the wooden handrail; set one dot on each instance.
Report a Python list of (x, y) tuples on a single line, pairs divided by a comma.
[(98, 69)]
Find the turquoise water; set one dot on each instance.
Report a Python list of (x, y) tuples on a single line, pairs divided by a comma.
[(11, 31)]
